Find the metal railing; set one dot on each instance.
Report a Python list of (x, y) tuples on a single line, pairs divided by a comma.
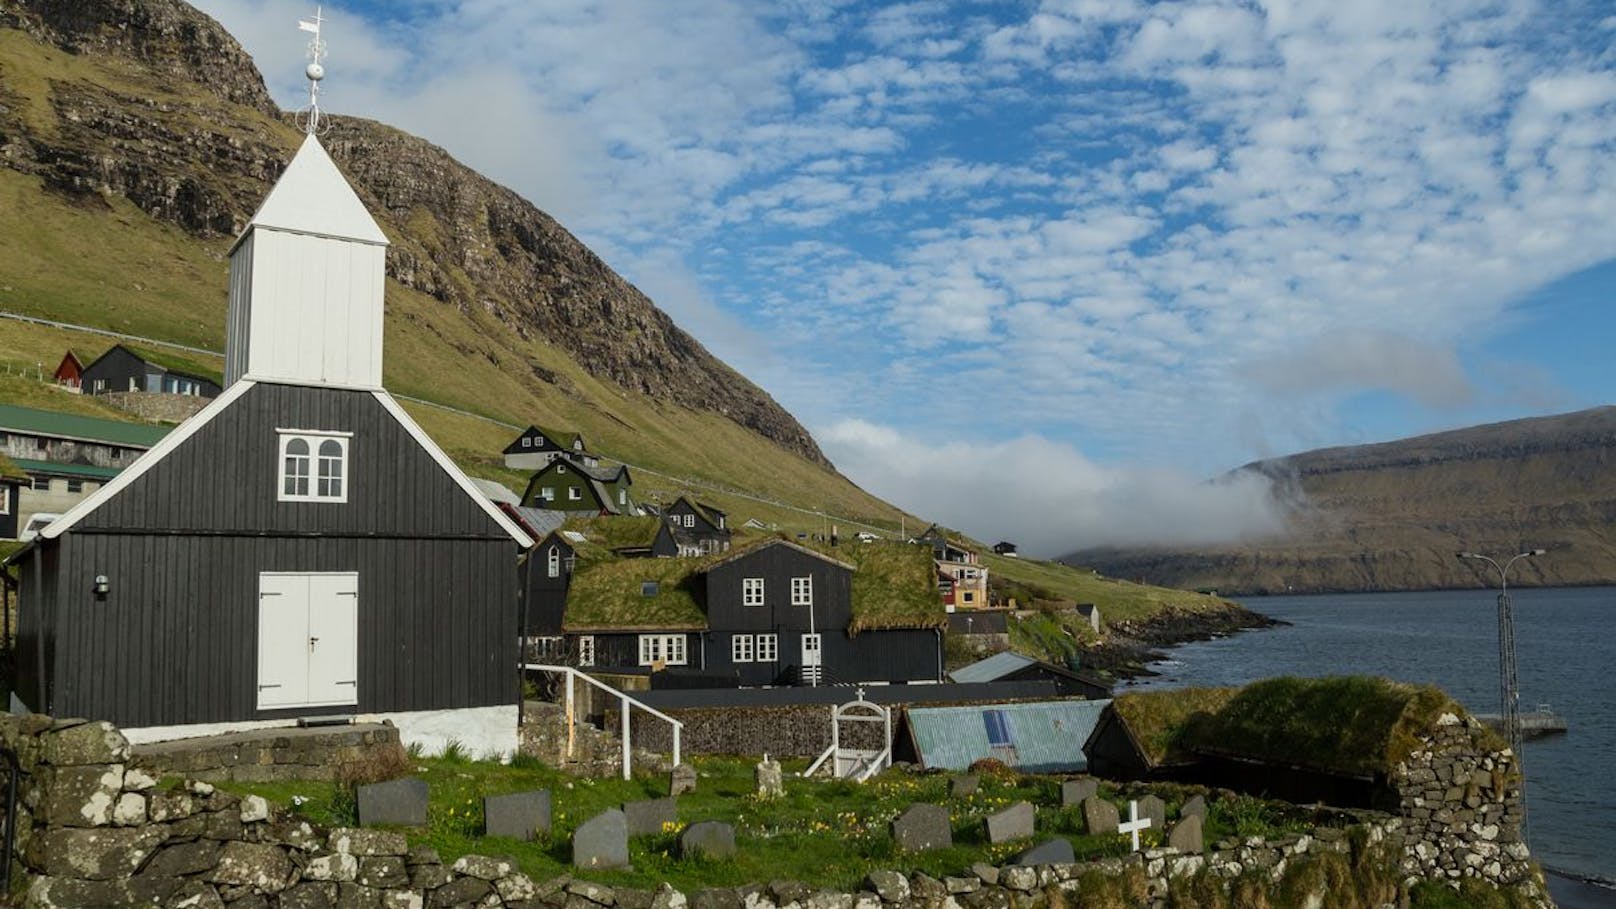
[(625, 702)]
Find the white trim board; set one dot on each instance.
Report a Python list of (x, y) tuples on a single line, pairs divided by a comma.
[(147, 460)]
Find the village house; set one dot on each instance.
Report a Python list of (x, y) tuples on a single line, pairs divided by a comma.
[(125, 368), (568, 484), (299, 548), (1006, 549), (70, 372), (536, 447), (699, 528), (962, 580), (12, 480), (775, 613), (66, 457)]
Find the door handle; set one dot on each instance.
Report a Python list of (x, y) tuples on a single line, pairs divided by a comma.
[(312, 642)]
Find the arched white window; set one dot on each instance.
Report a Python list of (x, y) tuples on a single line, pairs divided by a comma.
[(554, 562), (314, 466)]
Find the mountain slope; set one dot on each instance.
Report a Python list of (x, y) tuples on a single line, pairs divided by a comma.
[(186, 132), (1391, 516)]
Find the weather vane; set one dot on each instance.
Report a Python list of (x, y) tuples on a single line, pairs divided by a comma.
[(310, 117)]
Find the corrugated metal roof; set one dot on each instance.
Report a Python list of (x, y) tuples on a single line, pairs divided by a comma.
[(993, 668), (67, 470), (496, 491), (72, 426), (542, 520), (1046, 736)]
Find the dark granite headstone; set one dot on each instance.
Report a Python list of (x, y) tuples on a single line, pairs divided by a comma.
[(1013, 823), (651, 816), (682, 779), (922, 827), (1186, 835), (712, 839), (1057, 851), (1073, 792), (963, 785), (521, 815), (1195, 807), (1155, 809), (1100, 816), (601, 841), (400, 802)]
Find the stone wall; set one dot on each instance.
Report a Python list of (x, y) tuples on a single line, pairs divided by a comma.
[(798, 730), (151, 405), (1460, 796), (265, 755)]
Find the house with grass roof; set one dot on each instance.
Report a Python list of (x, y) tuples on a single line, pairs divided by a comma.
[(699, 528), (538, 446), (128, 368), (962, 579), (570, 484), (12, 480), (777, 612)]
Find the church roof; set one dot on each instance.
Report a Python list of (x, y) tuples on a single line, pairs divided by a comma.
[(312, 197)]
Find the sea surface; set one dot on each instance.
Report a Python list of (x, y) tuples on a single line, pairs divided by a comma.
[(1565, 656)]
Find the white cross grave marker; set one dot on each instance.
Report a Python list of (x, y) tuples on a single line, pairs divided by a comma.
[(1134, 824)]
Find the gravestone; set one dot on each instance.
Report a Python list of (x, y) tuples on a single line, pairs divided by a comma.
[(1100, 816), (770, 781), (711, 839), (400, 802), (1073, 792), (1057, 851), (1013, 823), (1195, 807), (601, 841), (1155, 809), (1186, 835), (922, 827), (682, 779), (521, 815), (963, 785), (651, 816)]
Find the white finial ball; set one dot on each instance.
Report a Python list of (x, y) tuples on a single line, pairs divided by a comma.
[(315, 72)]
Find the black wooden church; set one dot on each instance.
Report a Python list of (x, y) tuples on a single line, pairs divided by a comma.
[(299, 547)]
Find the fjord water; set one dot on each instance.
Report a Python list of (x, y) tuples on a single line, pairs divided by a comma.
[(1565, 654)]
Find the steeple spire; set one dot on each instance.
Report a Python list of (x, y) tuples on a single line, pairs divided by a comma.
[(315, 71)]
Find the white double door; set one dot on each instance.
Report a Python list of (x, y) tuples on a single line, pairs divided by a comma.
[(308, 639)]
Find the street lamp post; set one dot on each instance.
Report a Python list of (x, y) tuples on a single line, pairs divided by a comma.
[(1508, 684)]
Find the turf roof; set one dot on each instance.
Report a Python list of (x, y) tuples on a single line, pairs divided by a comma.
[(10, 471), (1357, 725), (616, 531)]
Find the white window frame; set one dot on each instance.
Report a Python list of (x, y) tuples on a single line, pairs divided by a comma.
[(552, 562), (314, 439), (802, 591), (740, 648), (527, 442), (768, 648), (622, 497), (547, 493), (690, 520), (5, 498), (586, 650), (752, 592), (669, 649), (574, 494)]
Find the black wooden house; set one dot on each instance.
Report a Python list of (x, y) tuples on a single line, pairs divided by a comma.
[(124, 368), (699, 528), (299, 547)]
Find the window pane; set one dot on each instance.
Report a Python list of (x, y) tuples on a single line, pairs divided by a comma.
[(297, 447)]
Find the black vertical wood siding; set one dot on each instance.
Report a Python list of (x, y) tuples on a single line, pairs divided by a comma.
[(546, 596), (12, 500), (175, 641), (224, 478)]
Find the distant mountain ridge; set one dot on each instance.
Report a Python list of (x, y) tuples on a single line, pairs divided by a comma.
[(1392, 515), (457, 237)]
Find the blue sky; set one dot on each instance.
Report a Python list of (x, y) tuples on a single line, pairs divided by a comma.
[(1110, 248)]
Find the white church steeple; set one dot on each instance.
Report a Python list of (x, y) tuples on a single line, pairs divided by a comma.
[(306, 280)]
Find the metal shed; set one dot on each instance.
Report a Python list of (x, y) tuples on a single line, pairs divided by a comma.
[(1037, 736)]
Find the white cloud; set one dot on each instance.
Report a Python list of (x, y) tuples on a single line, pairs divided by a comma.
[(1046, 496)]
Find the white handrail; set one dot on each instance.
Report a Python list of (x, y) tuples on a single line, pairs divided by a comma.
[(820, 762), (625, 703)]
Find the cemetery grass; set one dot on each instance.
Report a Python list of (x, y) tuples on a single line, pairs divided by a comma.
[(825, 833)]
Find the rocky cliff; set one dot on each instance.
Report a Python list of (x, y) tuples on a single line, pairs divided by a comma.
[(201, 153), (1391, 516)]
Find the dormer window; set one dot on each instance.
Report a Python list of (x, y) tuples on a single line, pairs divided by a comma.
[(313, 466)]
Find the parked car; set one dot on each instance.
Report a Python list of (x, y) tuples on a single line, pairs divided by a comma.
[(864, 536), (35, 524)]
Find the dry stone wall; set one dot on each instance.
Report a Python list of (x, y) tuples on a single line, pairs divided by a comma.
[(1460, 797)]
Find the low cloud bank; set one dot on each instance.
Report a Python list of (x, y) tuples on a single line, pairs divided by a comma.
[(1046, 496)]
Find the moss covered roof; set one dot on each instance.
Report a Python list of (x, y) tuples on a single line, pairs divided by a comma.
[(10, 471), (178, 363), (894, 586), (1357, 725), (616, 531)]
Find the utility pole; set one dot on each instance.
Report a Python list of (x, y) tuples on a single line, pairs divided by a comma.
[(1509, 690)]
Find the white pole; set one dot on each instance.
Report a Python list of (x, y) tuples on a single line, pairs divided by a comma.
[(676, 760), (571, 716), (626, 759)]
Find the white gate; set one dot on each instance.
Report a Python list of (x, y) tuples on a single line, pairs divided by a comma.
[(857, 764)]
